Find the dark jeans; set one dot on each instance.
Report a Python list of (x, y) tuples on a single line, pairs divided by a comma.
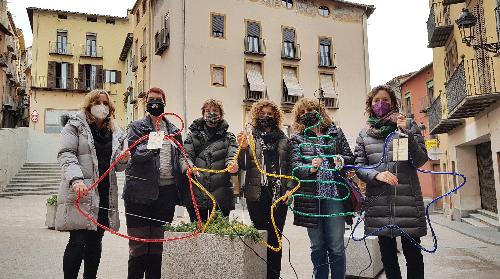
[(204, 213), (83, 245), (260, 213), (413, 256), (145, 258)]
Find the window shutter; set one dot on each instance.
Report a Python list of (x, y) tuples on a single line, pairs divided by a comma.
[(218, 24), (253, 29), (51, 74), (99, 77), (288, 35), (218, 76), (81, 76), (325, 42), (118, 77), (71, 76)]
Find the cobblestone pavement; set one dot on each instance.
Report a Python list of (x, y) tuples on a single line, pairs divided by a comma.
[(29, 250)]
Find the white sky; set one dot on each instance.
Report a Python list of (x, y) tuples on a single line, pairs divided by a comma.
[(397, 32)]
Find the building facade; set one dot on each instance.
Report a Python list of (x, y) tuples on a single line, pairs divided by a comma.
[(74, 53), (12, 104), (465, 112), (248, 50)]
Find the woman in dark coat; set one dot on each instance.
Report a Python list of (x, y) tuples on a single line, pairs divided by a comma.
[(393, 189), (325, 233), (209, 145), (272, 151)]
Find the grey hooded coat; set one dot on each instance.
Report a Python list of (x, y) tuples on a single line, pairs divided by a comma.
[(78, 160)]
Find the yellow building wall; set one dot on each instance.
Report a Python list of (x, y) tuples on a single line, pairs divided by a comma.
[(109, 36)]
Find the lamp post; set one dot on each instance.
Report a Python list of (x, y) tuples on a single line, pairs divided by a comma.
[(466, 23)]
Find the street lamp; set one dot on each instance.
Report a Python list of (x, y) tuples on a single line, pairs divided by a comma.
[(466, 23)]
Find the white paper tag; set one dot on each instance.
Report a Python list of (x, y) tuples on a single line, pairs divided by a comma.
[(155, 140), (400, 149)]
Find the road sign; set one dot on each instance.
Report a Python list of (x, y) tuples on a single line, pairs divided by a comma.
[(34, 116), (432, 143)]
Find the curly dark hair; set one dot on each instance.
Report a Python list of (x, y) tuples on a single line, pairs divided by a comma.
[(374, 91)]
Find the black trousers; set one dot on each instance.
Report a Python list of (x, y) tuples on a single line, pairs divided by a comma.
[(145, 258), (260, 213), (83, 245), (413, 256), (204, 213)]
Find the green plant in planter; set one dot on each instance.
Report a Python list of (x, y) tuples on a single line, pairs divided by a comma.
[(220, 226), (52, 200)]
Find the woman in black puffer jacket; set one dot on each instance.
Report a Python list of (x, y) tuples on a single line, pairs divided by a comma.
[(210, 146), (272, 151), (393, 188), (326, 234)]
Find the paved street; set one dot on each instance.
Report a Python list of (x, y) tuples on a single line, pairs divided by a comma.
[(29, 250)]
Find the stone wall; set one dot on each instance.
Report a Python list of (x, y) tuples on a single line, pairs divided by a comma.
[(13, 153)]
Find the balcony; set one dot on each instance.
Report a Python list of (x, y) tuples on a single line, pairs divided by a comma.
[(287, 100), (471, 89), (91, 52), (133, 63), (144, 55), (451, 2), (140, 89), (438, 125), (162, 41), (330, 103), (253, 96), (439, 25), (60, 48), (290, 51), (325, 60), (424, 104), (255, 46), (55, 83)]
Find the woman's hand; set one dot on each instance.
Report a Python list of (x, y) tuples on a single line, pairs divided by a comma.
[(287, 196), (80, 188), (387, 177), (242, 140), (125, 157), (401, 122), (233, 167), (316, 163)]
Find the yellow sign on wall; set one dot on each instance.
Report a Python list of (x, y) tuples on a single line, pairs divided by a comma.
[(432, 143)]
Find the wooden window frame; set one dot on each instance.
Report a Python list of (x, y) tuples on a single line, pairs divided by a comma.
[(212, 67), (224, 33)]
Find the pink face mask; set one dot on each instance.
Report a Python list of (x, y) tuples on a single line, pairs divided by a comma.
[(381, 108)]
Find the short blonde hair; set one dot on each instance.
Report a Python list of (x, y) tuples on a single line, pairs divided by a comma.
[(309, 104), (257, 108), (90, 99)]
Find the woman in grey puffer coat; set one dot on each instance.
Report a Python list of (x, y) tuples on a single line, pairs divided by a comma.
[(393, 189), (90, 142)]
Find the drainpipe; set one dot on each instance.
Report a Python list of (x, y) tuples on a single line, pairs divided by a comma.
[(365, 50), (184, 67)]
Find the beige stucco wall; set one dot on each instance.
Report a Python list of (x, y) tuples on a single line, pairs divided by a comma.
[(348, 39)]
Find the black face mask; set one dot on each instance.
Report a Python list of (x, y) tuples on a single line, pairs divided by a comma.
[(309, 119), (155, 107), (212, 118), (266, 122)]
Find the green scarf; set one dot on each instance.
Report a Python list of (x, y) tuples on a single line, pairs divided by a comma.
[(382, 127)]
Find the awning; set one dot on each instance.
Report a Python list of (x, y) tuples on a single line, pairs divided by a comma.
[(292, 83), (255, 79), (327, 86)]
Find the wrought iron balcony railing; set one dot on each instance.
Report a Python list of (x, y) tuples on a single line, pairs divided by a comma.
[(439, 25), (438, 124), (255, 45)]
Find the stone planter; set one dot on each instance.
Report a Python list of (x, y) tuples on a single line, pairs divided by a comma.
[(50, 216), (358, 258), (212, 256)]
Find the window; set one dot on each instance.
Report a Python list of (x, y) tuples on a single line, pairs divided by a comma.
[(451, 59), (62, 42), (218, 26), (92, 19), (62, 16), (62, 75), (327, 89), (408, 102), (255, 86), (110, 21), (324, 11), (110, 76), (430, 91), (325, 53), (253, 37), (91, 45), (288, 43), (292, 90), (89, 77), (53, 120), (218, 75), (287, 4)]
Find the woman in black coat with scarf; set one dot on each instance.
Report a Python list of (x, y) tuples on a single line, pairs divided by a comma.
[(271, 150)]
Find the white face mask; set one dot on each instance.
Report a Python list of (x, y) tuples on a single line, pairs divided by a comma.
[(100, 111)]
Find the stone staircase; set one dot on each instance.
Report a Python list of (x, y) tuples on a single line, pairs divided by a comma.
[(34, 179), (483, 219)]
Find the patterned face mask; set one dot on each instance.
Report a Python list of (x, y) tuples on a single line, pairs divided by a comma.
[(100, 111), (381, 108), (309, 119), (212, 118), (266, 122)]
